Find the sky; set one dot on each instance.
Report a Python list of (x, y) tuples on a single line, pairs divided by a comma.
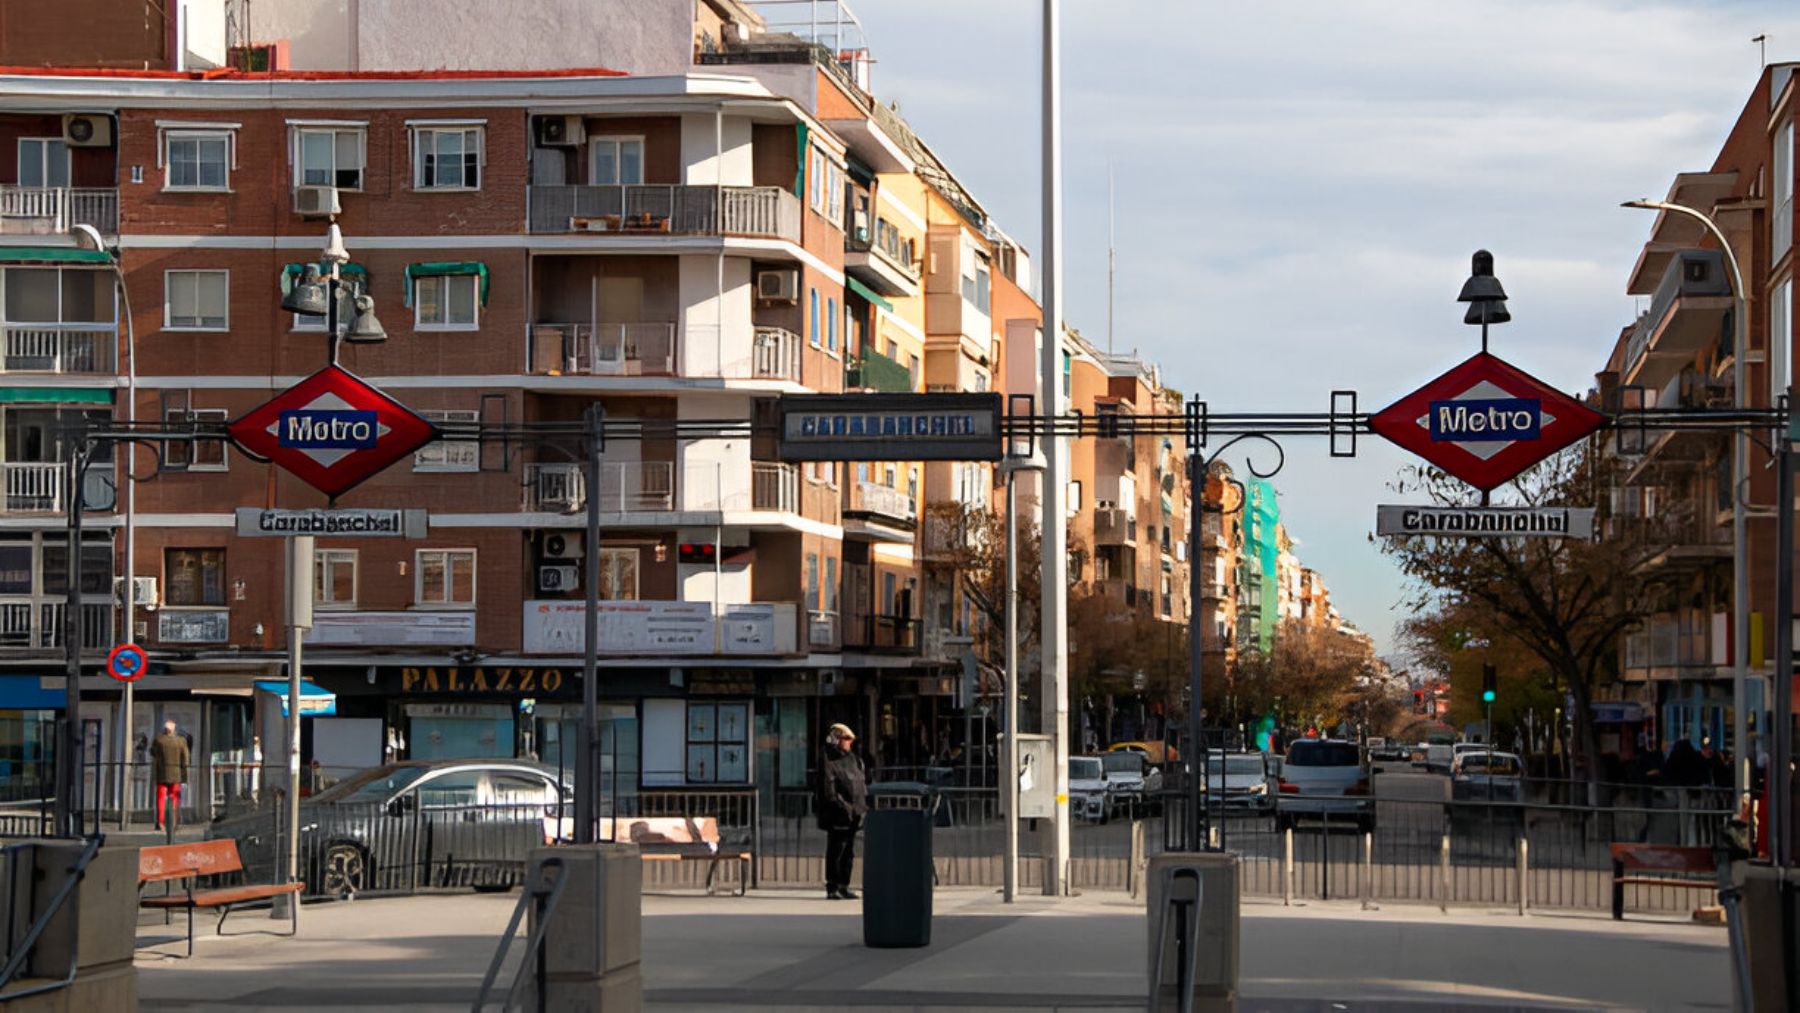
[(1298, 187)]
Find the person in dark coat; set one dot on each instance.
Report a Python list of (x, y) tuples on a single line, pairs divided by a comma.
[(843, 800)]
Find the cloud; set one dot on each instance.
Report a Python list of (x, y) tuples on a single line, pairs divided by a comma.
[(1299, 186)]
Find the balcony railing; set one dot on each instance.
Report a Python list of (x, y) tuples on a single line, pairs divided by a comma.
[(53, 210), (874, 371), (644, 349), (650, 209), (876, 633), (59, 348), (34, 487), (1113, 526), (625, 487), (774, 487), (26, 624), (822, 633), (889, 502), (775, 354)]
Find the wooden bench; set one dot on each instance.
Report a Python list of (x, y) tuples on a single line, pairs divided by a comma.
[(184, 863), (1660, 865), (681, 839)]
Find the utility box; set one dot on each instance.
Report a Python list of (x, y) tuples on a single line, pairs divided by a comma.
[(1770, 909), (594, 940), (1206, 942), (1037, 777)]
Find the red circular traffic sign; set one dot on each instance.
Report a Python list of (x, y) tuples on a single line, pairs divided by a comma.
[(127, 662)]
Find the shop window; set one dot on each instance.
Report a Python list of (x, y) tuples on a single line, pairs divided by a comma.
[(194, 577), (718, 743)]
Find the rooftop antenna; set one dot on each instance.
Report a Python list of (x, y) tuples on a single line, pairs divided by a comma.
[(1762, 49), (1109, 259)]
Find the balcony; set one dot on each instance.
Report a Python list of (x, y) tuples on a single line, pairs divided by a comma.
[(644, 349), (886, 502), (73, 349), (823, 632), (27, 624), (886, 261), (660, 210), (1687, 389), (1113, 526), (775, 354), (53, 210), (1684, 536), (1690, 311), (625, 487), (665, 628), (874, 371), (876, 634), (1675, 645)]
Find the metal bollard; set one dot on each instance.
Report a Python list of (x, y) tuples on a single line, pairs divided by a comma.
[(1524, 875), (1287, 866), (1444, 873), (1368, 872), (1134, 871)]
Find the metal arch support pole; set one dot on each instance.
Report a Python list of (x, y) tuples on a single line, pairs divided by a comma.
[(1010, 755), (1054, 621), (68, 754), (1196, 836), (1778, 790), (129, 625), (587, 737)]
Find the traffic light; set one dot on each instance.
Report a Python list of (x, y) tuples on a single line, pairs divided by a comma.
[(1487, 683)]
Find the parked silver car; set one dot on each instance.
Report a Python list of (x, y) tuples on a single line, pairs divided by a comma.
[(1089, 797), (1324, 779), (1241, 781), (1130, 779)]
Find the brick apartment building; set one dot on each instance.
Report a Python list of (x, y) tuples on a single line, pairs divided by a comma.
[(1675, 488)]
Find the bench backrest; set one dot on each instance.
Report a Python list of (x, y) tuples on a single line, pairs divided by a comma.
[(1664, 858), (195, 858), (661, 829)]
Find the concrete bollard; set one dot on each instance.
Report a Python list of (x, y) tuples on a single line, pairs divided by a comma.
[(1524, 875), (593, 943), (1444, 873), (1216, 939), (1287, 866), (1368, 872)]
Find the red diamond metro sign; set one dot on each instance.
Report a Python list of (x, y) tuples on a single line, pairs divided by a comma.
[(1485, 421), (332, 430)]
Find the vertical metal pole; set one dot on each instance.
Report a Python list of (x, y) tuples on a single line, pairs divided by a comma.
[(1055, 540), (587, 737), (1198, 817), (299, 619), (1779, 781), (69, 755), (1010, 754), (129, 636), (1740, 546)]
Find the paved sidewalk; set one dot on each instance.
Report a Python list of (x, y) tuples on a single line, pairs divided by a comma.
[(792, 951)]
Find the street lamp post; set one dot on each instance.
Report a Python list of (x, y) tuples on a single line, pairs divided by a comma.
[(1740, 464), (89, 237), (1055, 535), (1010, 753)]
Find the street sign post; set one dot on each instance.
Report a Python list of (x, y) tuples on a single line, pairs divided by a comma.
[(1485, 421), (332, 430), (127, 662)]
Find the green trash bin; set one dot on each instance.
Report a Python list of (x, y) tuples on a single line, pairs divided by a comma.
[(897, 869)]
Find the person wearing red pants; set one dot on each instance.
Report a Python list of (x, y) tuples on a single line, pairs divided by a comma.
[(168, 770)]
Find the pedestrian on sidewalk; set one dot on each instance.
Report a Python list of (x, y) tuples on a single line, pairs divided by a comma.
[(168, 769), (843, 800)]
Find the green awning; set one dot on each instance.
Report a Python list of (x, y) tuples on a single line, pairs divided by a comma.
[(293, 272), (868, 293), (440, 269), (52, 255), (800, 135), (55, 395)]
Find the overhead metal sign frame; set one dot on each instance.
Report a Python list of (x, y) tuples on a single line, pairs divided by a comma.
[(892, 427)]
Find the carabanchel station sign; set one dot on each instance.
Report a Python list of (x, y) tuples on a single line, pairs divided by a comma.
[(1499, 522), (891, 427)]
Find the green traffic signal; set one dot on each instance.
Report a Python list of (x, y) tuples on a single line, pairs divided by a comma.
[(1487, 696)]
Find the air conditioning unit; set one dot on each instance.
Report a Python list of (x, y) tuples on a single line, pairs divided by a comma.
[(778, 286), (87, 130), (562, 545), (558, 578), (315, 201), (560, 131), (143, 593)]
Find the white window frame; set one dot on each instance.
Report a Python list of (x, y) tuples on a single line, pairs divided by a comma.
[(323, 559), (1781, 339), (425, 134), (611, 556), (815, 179), (43, 162), (170, 278), (617, 141), (439, 449), (1785, 171), (179, 415), (419, 321), (419, 600), (297, 154), (166, 154)]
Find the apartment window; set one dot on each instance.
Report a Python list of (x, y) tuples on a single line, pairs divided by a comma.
[(195, 455), (48, 295), (1074, 496), (43, 161), (912, 371), (1781, 233), (330, 157), (445, 578), (197, 160), (981, 380), (618, 574), (862, 473), (812, 582), (334, 578), (815, 182), (1781, 341), (887, 477), (1068, 373), (447, 159), (446, 302), (616, 161), (834, 194), (813, 325), (450, 454), (831, 325), (193, 577), (831, 584), (196, 300)]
